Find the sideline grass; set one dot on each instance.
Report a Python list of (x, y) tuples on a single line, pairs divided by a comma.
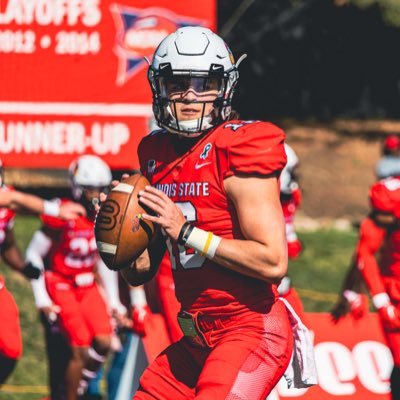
[(317, 274)]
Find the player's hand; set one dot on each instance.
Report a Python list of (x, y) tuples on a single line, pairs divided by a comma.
[(71, 210), (51, 312), (103, 196), (168, 214), (139, 316), (390, 317), (119, 313)]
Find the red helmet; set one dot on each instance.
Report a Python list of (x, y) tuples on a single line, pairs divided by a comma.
[(392, 142)]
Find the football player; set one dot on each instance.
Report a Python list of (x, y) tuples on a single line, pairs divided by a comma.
[(215, 194), (290, 195), (12, 201), (67, 291), (382, 233)]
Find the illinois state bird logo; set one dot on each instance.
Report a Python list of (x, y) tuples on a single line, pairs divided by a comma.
[(139, 31)]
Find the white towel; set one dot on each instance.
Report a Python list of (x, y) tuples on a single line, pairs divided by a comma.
[(301, 372)]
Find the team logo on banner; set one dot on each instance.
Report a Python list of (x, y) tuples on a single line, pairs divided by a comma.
[(139, 31)]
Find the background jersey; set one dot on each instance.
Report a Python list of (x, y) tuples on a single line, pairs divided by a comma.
[(194, 181), (385, 197), (6, 218), (73, 250)]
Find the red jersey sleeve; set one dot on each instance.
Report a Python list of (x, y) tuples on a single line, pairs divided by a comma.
[(251, 148), (54, 223), (370, 241)]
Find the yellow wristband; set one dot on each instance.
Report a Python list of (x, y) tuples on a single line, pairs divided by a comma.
[(203, 242)]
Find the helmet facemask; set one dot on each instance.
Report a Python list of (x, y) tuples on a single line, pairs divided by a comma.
[(209, 92)]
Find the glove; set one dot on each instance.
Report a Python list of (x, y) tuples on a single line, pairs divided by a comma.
[(388, 313), (30, 271), (294, 249), (390, 317), (139, 316), (358, 303)]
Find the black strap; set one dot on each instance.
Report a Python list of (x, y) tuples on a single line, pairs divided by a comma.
[(182, 238)]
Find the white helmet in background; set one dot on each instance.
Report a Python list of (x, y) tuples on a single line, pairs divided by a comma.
[(88, 172), (287, 181), (192, 56)]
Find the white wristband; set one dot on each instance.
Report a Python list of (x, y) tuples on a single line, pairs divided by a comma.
[(350, 295), (138, 297), (381, 300), (51, 208), (203, 242)]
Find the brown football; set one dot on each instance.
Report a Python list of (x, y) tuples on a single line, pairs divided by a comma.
[(121, 235)]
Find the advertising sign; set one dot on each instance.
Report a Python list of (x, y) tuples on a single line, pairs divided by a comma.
[(353, 361), (73, 76)]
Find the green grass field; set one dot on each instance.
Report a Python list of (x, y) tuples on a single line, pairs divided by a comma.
[(317, 274)]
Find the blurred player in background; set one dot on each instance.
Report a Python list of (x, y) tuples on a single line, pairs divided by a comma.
[(389, 164), (290, 195), (12, 201), (67, 292), (225, 257), (380, 236), (383, 280)]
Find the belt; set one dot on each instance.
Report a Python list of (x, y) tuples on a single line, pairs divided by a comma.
[(190, 328), (196, 326)]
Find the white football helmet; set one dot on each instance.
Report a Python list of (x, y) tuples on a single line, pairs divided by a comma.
[(87, 172), (193, 57)]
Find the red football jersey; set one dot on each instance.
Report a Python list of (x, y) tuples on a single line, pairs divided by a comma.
[(73, 250), (6, 218), (194, 181), (385, 195)]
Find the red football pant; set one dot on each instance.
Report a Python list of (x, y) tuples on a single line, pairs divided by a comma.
[(250, 355), (10, 331), (392, 285), (84, 313)]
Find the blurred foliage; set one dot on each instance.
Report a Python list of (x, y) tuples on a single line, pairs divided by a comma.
[(315, 58)]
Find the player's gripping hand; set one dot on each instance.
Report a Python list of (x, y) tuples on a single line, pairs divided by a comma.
[(139, 316), (168, 214)]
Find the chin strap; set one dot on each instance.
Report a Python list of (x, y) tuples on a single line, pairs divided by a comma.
[(190, 128)]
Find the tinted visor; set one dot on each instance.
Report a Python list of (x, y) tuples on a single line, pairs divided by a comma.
[(178, 85)]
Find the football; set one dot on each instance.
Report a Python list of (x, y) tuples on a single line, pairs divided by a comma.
[(121, 234)]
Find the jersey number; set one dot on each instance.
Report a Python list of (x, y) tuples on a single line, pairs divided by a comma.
[(82, 253), (179, 255)]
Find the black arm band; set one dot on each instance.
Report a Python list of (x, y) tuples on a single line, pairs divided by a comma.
[(182, 234), (31, 272)]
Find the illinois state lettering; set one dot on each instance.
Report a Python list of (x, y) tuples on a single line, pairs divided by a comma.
[(185, 189)]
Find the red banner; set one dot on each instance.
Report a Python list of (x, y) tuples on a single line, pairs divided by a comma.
[(353, 361), (73, 76)]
